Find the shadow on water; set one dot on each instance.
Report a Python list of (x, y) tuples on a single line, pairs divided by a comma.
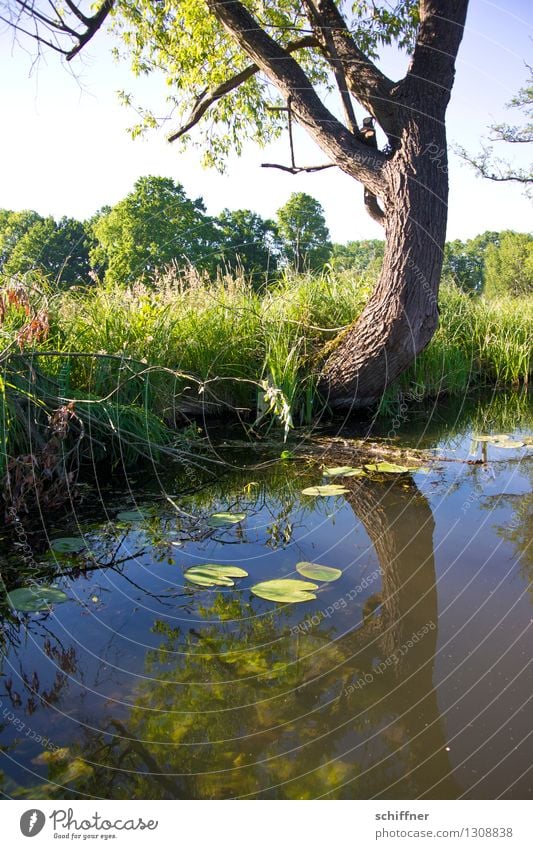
[(140, 687)]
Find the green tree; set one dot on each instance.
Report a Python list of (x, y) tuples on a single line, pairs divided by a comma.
[(509, 266), (58, 250), (303, 233), (153, 226), (464, 262), (248, 242), (13, 226), (229, 60), (363, 257)]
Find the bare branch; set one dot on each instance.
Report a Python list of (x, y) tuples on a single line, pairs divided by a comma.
[(208, 98), (52, 27), (297, 169)]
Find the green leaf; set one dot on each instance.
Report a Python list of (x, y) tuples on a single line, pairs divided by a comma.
[(326, 489), (317, 572), (387, 468), (68, 545), (214, 575), (131, 516), (33, 599), (345, 471), (286, 455), (223, 520), (207, 579), (285, 590)]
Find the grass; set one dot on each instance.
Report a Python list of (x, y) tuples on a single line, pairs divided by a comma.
[(140, 353)]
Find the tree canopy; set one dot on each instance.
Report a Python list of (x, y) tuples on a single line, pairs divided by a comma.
[(154, 225), (303, 232)]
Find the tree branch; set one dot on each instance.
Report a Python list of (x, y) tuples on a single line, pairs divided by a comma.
[(55, 24), (440, 33), (208, 98), (335, 140), (370, 86)]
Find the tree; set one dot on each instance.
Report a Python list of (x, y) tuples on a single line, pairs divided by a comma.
[(248, 242), (509, 266), (303, 232), (495, 168), (13, 225), (58, 250), (364, 257), (232, 60), (464, 262), (153, 226)]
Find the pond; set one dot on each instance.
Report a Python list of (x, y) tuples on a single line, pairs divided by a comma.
[(407, 676)]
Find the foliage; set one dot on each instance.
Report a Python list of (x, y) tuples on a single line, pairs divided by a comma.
[(248, 244), (153, 226), (509, 266), (302, 229), (58, 250), (362, 257)]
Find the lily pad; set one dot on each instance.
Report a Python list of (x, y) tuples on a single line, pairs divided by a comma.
[(500, 440), (68, 545), (285, 590), (224, 520), (325, 489), (35, 598), (131, 516), (214, 575), (388, 468), (344, 471), (317, 572)]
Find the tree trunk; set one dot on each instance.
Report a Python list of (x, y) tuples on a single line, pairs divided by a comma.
[(402, 314)]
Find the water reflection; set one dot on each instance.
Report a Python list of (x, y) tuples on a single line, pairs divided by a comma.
[(142, 688), (265, 705)]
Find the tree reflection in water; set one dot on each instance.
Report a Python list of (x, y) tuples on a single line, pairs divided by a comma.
[(246, 706)]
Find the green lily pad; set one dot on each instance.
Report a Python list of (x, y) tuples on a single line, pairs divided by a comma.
[(387, 468), (131, 516), (214, 575), (507, 443), (500, 440), (285, 590), (317, 572), (344, 471), (33, 599), (326, 489), (68, 545), (224, 520)]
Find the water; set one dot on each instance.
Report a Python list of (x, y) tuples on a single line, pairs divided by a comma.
[(409, 677)]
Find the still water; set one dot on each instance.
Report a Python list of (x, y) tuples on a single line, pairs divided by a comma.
[(408, 677)]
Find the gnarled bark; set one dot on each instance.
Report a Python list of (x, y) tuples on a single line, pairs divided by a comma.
[(402, 314)]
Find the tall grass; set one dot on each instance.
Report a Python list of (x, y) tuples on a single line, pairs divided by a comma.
[(148, 347)]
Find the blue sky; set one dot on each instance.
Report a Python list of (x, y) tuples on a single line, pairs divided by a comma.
[(65, 150)]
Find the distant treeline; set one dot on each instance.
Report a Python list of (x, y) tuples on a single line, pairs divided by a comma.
[(157, 226)]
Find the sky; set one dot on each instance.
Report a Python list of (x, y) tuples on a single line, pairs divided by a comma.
[(64, 149)]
